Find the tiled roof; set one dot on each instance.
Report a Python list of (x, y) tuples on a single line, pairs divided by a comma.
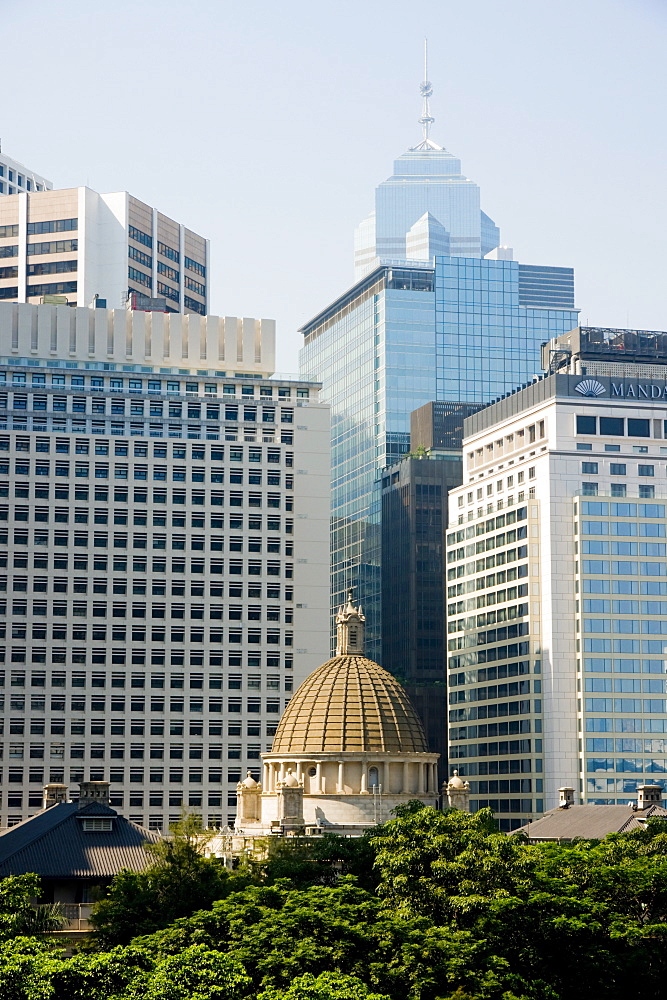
[(350, 704), (588, 822), (54, 844)]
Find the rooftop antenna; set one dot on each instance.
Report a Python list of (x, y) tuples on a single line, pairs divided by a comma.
[(426, 119)]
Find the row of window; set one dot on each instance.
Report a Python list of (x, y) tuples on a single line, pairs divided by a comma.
[(616, 469), (53, 246), (79, 609), (510, 443), (485, 526), (132, 385), (139, 277), (137, 680), (591, 489), (52, 267), (193, 411), (82, 515), (493, 673), (158, 473), (493, 729), (625, 685), (492, 691), (626, 706), (118, 727), (495, 711), (135, 775), (626, 745), (598, 567), (98, 678), (53, 288), (614, 426), (489, 655), (273, 591), (486, 600), (602, 607), (502, 748), (196, 497), (490, 618), (52, 226), (625, 666), (624, 625)]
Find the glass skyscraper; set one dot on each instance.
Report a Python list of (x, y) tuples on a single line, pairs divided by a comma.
[(401, 337), (419, 325)]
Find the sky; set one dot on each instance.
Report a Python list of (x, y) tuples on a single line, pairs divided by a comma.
[(266, 127)]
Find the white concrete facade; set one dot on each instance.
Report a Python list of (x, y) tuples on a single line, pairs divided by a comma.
[(164, 519), (580, 639)]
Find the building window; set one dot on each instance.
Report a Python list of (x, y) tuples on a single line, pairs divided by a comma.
[(612, 425), (617, 469), (646, 470), (589, 468), (638, 428), (586, 425), (589, 489)]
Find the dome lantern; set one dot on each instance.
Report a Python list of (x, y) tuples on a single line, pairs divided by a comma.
[(350, 623)]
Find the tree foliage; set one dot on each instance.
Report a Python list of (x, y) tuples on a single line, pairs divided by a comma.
[(452, 910), (180, 881)]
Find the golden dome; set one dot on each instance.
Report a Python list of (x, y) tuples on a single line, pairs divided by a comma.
[(349, 704)]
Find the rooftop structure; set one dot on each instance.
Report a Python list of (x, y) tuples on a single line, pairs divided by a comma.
[(569, 821), (427, 207)]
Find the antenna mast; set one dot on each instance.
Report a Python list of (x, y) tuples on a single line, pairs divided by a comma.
[(426, 119)]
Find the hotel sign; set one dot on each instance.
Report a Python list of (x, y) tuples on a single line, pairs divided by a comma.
[(639, 390), (606, 387)]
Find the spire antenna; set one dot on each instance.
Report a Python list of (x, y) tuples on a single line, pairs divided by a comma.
[(426, 119)]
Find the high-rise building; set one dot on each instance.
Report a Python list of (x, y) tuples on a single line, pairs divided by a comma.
[(556, 570), (83, 246), (427, 207), (15, 177), (164, 554), (414, 520), (463, 330)]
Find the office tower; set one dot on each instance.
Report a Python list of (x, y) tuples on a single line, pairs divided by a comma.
[(556, 582), (16, 178), (84, 246), (427, 207), (414, 520), (463, 330), (166, 506)]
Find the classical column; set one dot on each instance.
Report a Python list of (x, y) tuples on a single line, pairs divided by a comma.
[(406, 777), (318, 778), (364, 778), (340, 788)]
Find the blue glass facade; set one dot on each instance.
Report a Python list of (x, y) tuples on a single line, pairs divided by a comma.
[(488, 329), (400, 338)]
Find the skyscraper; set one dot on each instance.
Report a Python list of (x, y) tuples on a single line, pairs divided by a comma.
[(427, 207), (461, 330), (164, 559), (81, 246), (556, 583)]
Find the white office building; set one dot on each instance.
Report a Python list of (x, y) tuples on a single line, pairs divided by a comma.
[(77, 246), (164, 512), (16, 178), (557, 584)]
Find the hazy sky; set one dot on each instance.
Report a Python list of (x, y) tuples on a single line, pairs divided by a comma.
[(266, 126)]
